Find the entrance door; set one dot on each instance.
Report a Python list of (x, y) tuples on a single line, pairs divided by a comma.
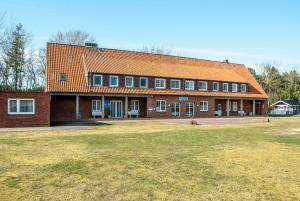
[(257, 108), (190, 109), (219, 109), (175, 109), (116, 109)]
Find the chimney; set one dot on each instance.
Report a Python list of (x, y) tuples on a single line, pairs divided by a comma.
[(88, 44)]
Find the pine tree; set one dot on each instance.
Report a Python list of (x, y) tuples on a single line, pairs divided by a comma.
[(14, 56)]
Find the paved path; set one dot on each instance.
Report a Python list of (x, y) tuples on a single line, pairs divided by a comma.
[(201, 121)]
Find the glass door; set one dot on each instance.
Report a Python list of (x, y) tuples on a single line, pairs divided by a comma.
[(175, 109), (190, 109), (116, 109)]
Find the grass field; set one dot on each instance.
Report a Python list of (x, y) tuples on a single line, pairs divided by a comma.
[(153, 161)]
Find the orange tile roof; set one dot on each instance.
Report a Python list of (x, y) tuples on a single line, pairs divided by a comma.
[(76, 60)]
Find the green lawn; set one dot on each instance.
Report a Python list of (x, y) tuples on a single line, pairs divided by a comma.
[(153, 161)]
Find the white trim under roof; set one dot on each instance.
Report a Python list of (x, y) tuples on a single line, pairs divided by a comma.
[(281, 101)]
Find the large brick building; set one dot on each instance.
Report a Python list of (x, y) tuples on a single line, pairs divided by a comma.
[(86, 82)]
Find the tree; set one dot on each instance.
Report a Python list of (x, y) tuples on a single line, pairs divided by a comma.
[(14, 56), (271, 82), (291, 85), (75, 37), (156, 49), (255, 75)]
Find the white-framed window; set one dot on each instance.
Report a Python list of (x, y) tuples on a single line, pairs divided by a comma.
[(189, 85), (113, 81), (215, 86), (143, 82), (175, 84), (97, 80), (225, 87), (134, 106), (234, 87), (129, 81), (21, 106), (202, 85), (96, 106), (160, 106), (189, 109), (203, 106), (234, 106), (243, 88), (160, 83), (62, 77)]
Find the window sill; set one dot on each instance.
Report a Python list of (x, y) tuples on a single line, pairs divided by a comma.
[(19, 114)]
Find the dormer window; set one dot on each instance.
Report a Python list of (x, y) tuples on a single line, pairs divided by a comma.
[(234, 87), (62, 77), (225, 87), (143, 82), (160, 83), (97, 80), (243, 88), (175, 84), (189, 85), (113, 81), (215, 86), (128, 81), (202, 85)]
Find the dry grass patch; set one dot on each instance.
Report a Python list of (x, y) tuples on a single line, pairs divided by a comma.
[(153, 161)]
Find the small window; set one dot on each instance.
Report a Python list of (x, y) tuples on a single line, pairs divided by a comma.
[(113, 81), (160, 106), (189, 85), (62, 77), (204, 106), (225, 87), (175, 84), (202, 85), (97, 80), (160, 83), (128, 81), (234, 87), (96, 105), (21, 106), (134, 106), (243, 88), (143, 82), (215, 86), (234, 106)]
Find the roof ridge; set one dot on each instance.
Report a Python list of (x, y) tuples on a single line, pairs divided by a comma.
[(146, 53)]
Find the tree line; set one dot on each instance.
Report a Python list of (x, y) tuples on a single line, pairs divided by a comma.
[(23, 68), (277, 85)]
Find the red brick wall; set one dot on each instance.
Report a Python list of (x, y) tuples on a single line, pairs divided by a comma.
[(42, 110), (63, 108), (151, 102)]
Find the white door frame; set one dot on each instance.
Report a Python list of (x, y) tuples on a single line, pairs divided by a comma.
[(189, 109), (114, 102), (173, 104), (219, 110)]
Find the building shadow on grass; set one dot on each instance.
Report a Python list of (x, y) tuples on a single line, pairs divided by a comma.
[(78, 123)]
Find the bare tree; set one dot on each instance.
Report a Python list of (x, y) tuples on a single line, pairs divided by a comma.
[(75, 37), (156, 49)]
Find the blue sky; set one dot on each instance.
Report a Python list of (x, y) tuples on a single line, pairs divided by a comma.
[(250, 32)]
